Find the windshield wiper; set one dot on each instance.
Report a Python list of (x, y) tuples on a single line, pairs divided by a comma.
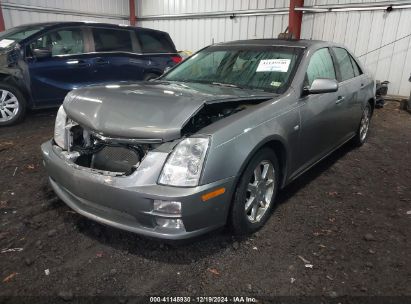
[(226, 85)]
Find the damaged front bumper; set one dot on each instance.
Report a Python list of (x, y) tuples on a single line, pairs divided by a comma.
[(127, 202)]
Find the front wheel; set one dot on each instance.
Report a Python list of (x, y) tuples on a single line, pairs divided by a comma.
[(363, 129), (12, 105), (255, 194)]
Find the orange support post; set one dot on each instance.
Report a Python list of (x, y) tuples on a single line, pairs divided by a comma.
[(132, 5), (295, 18), (2, 27)]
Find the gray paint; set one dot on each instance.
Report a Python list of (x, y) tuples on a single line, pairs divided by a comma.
[(308, 127), (153, 110)]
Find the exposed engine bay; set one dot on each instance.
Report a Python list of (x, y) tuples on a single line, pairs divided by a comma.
[(123, 156), (213, 112), (104, 154)]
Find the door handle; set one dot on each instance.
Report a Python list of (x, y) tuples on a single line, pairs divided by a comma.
[(101, 61), (340, 99), (76, 62)]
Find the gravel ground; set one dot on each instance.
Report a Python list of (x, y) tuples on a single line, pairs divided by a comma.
[(342, 229)]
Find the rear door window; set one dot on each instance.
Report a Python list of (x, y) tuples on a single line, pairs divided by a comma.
[(320, 66), (357, 70), (155, 42), (112, 40), (345, 64)]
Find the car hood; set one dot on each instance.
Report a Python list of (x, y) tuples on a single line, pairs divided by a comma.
[(146, 110)]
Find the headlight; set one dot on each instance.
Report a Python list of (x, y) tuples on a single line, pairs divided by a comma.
[(60, 128), (184, 165)]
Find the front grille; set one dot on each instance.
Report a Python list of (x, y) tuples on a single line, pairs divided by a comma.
[(115, 159)]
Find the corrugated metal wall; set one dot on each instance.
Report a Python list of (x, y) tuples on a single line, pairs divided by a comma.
[(359, 31), (193, 34), (366, 31), (16, 12)]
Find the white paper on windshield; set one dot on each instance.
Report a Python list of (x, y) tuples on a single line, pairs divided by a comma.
[(5, 42), (273, 65)]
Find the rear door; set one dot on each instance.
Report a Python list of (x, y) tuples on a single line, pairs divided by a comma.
[(67, 68), (351, 84), (115, 55), (159, 49)]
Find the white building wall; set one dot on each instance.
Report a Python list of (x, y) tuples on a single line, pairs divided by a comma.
[(17, 12), (366, 31), (194, 34), (361, 32)]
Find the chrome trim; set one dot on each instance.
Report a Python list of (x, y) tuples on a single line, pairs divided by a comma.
[(127, 140), (60, 11)]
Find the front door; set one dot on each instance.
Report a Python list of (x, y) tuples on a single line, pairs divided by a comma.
[(320, 122), (51, 78)]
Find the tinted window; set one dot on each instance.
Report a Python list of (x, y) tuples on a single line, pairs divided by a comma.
[(61, 42), (320, 66), (357, 70), (111, 40), (154, 42), (344, 62)]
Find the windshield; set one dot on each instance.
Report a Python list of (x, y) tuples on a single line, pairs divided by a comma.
[(16, 34), (257, 67)]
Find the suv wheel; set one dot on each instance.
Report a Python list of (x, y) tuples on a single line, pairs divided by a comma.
[(12, 105), (255, 194), (362, 132)]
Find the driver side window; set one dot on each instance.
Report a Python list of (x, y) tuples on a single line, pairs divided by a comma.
[(320, 66), (61, 42)]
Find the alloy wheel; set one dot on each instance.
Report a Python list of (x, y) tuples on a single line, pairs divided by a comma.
[(260, 191), (365, 123), (9, 105)]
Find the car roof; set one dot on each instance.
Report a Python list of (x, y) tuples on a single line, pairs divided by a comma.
[(302, 43), (55, 24)]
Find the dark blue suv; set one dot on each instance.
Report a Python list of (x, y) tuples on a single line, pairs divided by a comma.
[(40, 63)]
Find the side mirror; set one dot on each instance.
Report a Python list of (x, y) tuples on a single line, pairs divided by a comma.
[(42, 53), (322, 85)]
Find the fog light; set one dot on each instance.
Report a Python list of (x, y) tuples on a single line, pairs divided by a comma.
[(170, 223), (169, 207)]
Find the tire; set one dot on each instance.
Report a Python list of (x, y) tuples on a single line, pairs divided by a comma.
[(241, 218), (12, 105), (364, 127), (150, 76)]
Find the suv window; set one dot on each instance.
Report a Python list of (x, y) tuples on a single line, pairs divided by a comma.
[(320, 66), (155, 42), (345, 63), (112, 40), (61, 42)]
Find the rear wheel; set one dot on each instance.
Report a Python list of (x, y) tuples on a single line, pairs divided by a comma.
[(255, 194), (12, 105), (363, 129)]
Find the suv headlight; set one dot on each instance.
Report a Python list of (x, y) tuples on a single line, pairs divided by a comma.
[(60, 128), (184, 165)]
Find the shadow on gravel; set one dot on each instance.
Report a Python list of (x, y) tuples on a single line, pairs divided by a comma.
[(184, 252)]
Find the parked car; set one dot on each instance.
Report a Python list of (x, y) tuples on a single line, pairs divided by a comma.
[(40, 63), (211, 141)]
